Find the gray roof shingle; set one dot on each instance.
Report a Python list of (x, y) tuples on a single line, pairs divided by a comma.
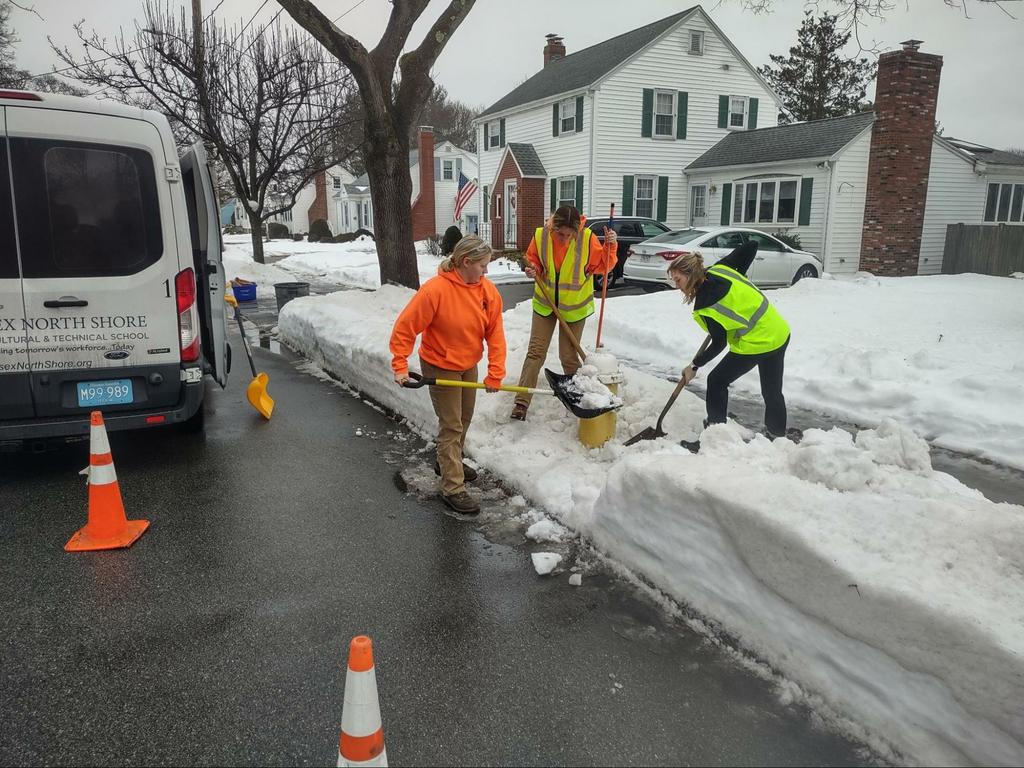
[(987, 154), (818, 138), (580, 69), (527, 159)]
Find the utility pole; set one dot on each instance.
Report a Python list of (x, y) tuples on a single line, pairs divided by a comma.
[(199, 45)]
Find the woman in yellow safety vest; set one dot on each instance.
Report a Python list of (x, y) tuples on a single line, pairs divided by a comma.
[(565, 256), (736, 313)]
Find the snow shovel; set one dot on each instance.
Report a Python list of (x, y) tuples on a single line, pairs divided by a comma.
[(565, 326), (570, 397), (256, 392), (653, 433)]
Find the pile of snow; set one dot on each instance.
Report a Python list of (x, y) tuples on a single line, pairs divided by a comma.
[(594, 394), (887, 591)]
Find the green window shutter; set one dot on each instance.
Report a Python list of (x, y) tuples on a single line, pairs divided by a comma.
[(554, 194), (487, 143), (579, 193), (662, 198), (627, 195), (681, 106), (752, 115), (501, 134), (554, 119), (579, 114), (723, 111), (647, 117), (806, 187), (487, 204), (726, 204)]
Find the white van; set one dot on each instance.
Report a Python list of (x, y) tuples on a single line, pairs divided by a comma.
[(111, 283)]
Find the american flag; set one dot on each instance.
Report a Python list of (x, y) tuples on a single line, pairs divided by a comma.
[(466, 190)]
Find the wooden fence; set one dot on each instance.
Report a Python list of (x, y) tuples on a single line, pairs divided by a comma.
[(986, 249)]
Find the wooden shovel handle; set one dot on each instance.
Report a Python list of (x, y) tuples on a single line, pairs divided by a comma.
[(679, 387), (565, 326)]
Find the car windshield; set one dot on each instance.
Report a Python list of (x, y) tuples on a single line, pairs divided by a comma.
[(678, 236)]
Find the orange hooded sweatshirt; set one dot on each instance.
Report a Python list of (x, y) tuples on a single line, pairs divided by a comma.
[(455, 318), (599, 255)]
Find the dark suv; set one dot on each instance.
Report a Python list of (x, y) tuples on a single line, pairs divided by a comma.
[(631, 230)]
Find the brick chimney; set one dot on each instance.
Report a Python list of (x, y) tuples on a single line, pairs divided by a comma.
[(906, 94), (423, 223), (318, 208), (554, 49)]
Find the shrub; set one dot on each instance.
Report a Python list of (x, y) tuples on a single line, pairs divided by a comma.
[(434, 245), (297, 237), (278, 231), (792, 239), (233, 229), (319, 231)]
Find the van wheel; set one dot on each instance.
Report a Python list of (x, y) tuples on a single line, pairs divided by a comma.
[(806, 270), (196, 424)]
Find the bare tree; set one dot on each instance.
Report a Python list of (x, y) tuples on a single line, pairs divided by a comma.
[(272, 108), (451, 120), (390, 111), (11, 76)]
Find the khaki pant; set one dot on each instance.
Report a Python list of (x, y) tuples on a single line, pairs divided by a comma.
[(540, 339), (454, 409)]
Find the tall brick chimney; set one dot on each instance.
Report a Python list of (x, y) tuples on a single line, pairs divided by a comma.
[(423, 223), (554, 49), (318, 208), (906, 94)]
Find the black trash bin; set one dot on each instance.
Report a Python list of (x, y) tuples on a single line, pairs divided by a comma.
[(285, 292)]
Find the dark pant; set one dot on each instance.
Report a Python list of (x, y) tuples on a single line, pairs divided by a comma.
[(770, 367)]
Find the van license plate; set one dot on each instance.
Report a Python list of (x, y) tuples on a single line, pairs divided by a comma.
[(115, 392)]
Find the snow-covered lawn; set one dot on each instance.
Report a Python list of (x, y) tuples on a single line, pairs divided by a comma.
[(883, 590)]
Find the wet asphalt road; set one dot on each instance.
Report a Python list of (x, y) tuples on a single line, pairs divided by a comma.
[(220, 637)]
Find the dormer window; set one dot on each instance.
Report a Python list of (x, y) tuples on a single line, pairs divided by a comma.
[(696, 42)]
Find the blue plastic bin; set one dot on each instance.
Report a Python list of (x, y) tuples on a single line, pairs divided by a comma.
[(244, 292)]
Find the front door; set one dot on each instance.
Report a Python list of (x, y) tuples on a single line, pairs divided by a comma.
[(698, 205), (510, 214)]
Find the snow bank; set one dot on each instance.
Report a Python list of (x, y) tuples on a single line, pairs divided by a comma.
[(890, 591)]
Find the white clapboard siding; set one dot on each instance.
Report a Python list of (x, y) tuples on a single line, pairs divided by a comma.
[(445, 191), (956, 195), (621, 150), (846, 206)]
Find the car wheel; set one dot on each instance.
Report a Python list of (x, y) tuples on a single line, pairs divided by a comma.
[(807, 270)]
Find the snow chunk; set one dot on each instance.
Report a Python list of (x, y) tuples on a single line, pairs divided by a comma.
[(545, 530), (545, 562), (575, 580)]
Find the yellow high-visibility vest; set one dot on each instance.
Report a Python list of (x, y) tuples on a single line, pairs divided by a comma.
[(752, 325), (571, 287)]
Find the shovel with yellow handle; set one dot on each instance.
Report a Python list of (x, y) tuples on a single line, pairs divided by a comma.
[(256, 392)]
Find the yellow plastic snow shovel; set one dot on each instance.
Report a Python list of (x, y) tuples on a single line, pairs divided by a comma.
[(256, 392)]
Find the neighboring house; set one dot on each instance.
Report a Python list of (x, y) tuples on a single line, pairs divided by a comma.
[(871, 191), (307, 206), (616, 123)]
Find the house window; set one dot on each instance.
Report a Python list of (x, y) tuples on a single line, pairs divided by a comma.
[(1004, 203), (567, 115), (336, 182), (448, 170), (344, 210), (696, 42), (567, 191), (738, 108), (494, 134), (772, 201), (643, 202), (698, 203), (664, 114)]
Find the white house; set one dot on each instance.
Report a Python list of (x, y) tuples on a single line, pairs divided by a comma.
[(872, 191), (616, 123)]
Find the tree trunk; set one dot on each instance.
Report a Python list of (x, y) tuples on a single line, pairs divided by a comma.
[(256, 223), (387, 163)]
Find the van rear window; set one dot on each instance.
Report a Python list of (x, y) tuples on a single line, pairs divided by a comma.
[(85, 210), (8, 251)]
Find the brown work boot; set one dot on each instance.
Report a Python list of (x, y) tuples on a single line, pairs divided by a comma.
[(462, 503), (519, 411), (468, 472)]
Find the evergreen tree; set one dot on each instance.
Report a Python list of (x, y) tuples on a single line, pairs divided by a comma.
[(815, 81)]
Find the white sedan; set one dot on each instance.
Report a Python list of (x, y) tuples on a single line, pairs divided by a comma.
[(776, 264)]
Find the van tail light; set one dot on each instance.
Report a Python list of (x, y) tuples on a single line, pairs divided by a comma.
[(22, 95), (188, 315)]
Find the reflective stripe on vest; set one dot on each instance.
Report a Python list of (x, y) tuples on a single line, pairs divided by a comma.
[(571, 286), (752, 325)]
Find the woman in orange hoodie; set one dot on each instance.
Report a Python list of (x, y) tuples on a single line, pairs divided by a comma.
[(456, 312)]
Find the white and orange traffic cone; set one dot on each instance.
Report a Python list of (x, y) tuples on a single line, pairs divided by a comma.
[(107, 526), (362, 734)]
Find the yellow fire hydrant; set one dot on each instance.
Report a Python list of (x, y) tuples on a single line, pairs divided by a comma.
[(599, 430)]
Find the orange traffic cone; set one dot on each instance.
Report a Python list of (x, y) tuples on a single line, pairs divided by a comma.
[(107, 527), (362, 735)]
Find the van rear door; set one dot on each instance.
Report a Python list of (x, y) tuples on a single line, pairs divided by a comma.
[(15, 390), (204, 224), (99, 262)]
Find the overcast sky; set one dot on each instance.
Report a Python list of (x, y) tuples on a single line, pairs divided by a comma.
[(981, 97)]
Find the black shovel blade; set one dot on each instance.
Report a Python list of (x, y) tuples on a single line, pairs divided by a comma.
[(562, 386), (648, 433)]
